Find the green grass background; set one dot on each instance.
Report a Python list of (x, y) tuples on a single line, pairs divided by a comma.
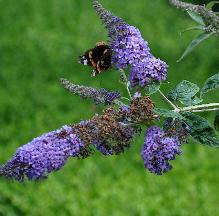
[(39, 43)]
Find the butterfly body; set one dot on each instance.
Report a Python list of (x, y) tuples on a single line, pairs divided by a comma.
[(98, 57)]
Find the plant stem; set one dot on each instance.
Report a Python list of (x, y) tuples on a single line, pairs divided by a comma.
[(203, 107), (176, 109), (127, 88), (125, 81), (205, 110), (195, 108), (123, 77)]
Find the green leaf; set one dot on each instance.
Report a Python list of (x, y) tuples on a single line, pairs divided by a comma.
[(185, 92), (216, 121), (167, 113), (152, 88), (118, 102), (210, 84), (211, 4), (194, 43), (201, 130), (196, 17), (196, 100), (200, 27)]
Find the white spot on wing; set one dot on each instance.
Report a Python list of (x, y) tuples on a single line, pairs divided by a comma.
[(85, 62)]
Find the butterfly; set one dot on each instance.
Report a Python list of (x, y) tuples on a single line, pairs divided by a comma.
[(98, 57)]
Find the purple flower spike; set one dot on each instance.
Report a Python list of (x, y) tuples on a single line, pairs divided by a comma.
[(99, 96), (158, 150), (129, 48), (43, 155)]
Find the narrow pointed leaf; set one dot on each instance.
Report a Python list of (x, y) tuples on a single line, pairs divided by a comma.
[(196, 17), (211, 83), (200, 27), (194, 43), (211, 4)]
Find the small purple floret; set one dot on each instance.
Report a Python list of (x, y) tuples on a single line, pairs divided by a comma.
[(158, 150), (137, 95), (109, 97), (101, 146), (124, 109)]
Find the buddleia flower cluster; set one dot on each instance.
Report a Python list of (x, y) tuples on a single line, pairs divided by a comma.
[(124, 117), (110, 133), (130, 49), (159, 149)]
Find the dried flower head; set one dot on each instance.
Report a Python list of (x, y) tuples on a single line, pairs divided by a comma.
[(176, 128), (106, 132), (158, 150), (140, 110)]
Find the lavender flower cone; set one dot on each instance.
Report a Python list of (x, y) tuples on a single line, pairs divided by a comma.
[(42, 155), (99, 96), (129, 48), (158, 150)]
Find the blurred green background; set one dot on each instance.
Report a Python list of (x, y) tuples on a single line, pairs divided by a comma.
[(39, 43)]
